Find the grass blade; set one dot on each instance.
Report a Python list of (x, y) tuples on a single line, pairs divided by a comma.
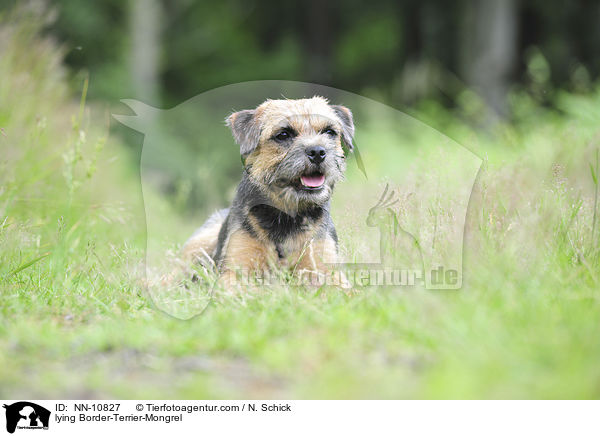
[(594, 218), (27, 265)]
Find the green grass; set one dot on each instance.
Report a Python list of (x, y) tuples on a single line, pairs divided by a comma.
[(75, 320)]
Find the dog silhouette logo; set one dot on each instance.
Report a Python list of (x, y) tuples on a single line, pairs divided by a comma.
[(26, 415), (416, 229)]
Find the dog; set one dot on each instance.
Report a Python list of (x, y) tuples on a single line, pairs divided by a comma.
[(294, 153)]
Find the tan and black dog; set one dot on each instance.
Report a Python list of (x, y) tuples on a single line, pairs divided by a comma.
[(294, 154)]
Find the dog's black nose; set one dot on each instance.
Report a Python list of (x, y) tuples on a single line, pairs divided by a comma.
[(316, 154)]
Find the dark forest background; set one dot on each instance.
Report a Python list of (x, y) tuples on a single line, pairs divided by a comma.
[(484, 64), (400, 52)]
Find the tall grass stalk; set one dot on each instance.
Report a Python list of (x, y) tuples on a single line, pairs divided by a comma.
[(594, 172)]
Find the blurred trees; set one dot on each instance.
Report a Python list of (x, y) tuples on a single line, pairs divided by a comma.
[(484, 58), (489, 49), (397, 51), (145, 27)]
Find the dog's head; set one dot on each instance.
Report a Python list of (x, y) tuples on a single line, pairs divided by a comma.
[(294, 149)]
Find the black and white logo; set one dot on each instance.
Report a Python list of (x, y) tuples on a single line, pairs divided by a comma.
[(26, 415)]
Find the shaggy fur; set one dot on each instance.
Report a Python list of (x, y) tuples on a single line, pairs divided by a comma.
[(277, 217)]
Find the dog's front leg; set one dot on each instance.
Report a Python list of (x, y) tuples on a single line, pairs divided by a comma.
[(244, 256), (316, 264)]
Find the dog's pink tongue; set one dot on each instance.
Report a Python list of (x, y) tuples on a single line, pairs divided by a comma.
[(313, 181)]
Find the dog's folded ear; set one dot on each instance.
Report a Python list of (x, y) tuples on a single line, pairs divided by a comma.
[(345, 116), (245, 129)]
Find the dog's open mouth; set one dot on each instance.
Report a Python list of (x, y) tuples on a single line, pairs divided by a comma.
[(312, 181)]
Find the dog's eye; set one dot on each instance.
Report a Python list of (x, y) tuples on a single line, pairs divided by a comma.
[(329, 131), (284, 135)]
